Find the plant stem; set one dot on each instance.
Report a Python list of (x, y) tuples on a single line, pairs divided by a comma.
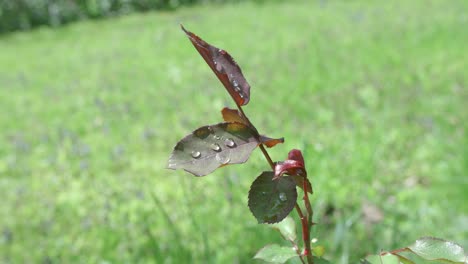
[(306, 221), (262, 148), (267, 156), (310, 213), (298, 251), (305, 235)]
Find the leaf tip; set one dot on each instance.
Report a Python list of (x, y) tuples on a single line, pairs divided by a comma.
[(182, 27)]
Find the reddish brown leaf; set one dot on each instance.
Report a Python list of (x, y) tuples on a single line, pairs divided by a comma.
[(290, 167), (224, 66), (211, 147), (294, 166), (296, 154), (271, 142), (233, 115)]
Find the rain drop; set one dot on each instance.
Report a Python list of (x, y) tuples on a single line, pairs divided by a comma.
[(215, 147), (222, 158), (236, 85), (282, 197), (219, 67), (216, 137), (230, 143), (196, 154)]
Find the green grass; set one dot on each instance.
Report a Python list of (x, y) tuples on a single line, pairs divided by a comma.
[(374, 94)]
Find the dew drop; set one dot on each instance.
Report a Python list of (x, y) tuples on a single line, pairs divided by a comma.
[(196, 154), (215, 147), (236, 85), (222, 158), (216, 137), (282, 197), (219, 67), (230, 143)]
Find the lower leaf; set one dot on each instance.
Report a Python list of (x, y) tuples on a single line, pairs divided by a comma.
[(275, 253), (270, 201)]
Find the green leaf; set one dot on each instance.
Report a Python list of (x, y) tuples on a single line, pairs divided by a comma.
[(405, 260), (320, 260), (318, 251), (270, 201), (431, 248), (287, 228), (275, 253), (211, 147), (378, 259)]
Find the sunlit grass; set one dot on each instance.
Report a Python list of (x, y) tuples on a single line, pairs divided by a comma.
[(374, 94)]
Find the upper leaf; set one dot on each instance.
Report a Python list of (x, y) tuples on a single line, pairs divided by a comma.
[(271, 142), (270, 201), (233, 115), (210, 147), (224, 66)]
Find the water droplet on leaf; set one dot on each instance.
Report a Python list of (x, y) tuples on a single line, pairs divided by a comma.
[(223, 158), (196, 154), (283, 197), (230, 143), (215, 147), (219, 67)]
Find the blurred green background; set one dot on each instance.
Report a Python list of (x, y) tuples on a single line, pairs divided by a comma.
[(374, 93)]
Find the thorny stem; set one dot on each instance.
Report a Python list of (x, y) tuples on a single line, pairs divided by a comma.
[(306, 221), (310, 213), (305, 234)]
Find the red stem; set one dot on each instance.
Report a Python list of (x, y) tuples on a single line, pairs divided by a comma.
[(306, 221), (305, 235), (310, 213)]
